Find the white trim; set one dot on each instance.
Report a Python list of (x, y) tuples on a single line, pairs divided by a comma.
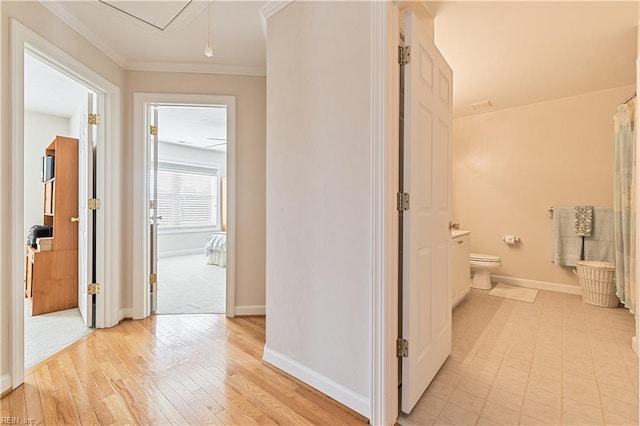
[(5, 383), (247, 310), (61, 12), (634, 344), (184, 252), (539, 285), (211, 68), (325, 385), (126, 313), (107, 309), (140, 196), (378, 404), (272, 7)]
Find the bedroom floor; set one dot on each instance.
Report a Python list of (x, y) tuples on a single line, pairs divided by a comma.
[(187, 285), (47, 334)]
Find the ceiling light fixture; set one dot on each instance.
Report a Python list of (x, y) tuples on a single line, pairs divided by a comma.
[(208, 50)]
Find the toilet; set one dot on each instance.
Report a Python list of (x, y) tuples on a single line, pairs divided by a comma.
[(481, 266)]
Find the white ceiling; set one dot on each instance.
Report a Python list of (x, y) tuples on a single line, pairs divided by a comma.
[(171, 35), (48, 91), (195, 127), (509, 52), (518, 53)]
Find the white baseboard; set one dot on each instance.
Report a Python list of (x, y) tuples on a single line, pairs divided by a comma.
[(5, 383), (539, 285), (126, 313), (325, 385), (246, 310), (181, 252)]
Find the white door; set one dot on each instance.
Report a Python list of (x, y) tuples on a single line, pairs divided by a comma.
[(426, 318), (86, 254), (152, 112)]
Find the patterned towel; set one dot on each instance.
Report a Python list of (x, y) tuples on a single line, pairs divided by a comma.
[(584, 220)]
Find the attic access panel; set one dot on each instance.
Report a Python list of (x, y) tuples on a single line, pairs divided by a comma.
[(158, 14)]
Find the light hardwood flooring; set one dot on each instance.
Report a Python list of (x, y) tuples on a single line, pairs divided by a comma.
[(187, 369)]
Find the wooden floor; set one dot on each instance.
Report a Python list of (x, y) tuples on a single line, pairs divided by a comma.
[(187, 369)]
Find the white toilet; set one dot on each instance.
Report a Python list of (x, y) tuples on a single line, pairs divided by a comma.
[(482, 265)]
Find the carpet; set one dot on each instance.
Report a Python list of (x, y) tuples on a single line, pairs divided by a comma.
[(187, 285), (47, 334), (515, 293)]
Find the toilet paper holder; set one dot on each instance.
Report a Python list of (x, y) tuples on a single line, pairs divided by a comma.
[(511, 239)]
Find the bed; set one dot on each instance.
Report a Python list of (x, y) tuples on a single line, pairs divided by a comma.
[(215, 250)]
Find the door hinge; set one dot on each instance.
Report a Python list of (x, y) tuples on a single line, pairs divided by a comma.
[(153, 278), (93, 288), (402, 348), (403, 201), (404, 55), (94, 119), (153, 130), (94, 204)]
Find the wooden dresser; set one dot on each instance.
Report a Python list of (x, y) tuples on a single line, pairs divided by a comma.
[(52, 272)]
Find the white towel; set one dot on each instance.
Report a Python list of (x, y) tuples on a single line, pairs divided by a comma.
[(566, 244), (600, 245)]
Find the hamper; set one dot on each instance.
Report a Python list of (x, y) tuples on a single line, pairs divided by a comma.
[(597, 281)]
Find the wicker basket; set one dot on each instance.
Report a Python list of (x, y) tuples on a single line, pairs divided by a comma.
[(597, 280)]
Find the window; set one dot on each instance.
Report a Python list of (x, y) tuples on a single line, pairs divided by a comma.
[(187, 196)]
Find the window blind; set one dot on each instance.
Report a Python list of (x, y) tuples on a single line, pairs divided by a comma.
[(187, 195)]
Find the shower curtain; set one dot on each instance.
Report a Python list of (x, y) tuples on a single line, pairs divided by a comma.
[(624, 204)]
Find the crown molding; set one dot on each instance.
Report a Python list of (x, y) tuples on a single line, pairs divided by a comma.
[(58, 10), (185, 67), (272, 7), (197, 68)]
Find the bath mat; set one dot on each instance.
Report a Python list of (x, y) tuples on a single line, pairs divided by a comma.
[(515, 293)]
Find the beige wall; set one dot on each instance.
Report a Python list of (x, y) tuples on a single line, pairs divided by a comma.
[(41, 21), (250, 93), (509, 166)]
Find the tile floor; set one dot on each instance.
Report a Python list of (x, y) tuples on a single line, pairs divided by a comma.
[(555, 361)]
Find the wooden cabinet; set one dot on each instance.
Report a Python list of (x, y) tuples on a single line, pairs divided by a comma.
[(52, 275), (460, 266)]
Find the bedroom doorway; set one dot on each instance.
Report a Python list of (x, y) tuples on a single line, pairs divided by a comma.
[(187, 208)]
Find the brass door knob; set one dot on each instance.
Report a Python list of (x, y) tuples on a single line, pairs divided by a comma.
[(75, 219)]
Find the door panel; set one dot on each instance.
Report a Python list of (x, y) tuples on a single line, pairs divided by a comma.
[(426, 320), (85, 216), (153, 207)]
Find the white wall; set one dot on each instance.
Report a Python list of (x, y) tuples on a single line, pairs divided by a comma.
[(39, 130), (40, 20), (174, 242), (319, 203)]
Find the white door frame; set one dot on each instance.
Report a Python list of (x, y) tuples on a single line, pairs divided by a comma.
[(140, 280), (385, 30), (109, 229)]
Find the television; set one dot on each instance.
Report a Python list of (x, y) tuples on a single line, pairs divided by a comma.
[(48, 165)]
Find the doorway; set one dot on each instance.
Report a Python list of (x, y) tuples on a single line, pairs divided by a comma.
[(105, 221), (184, 204), (188, 208), (56, 312)]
